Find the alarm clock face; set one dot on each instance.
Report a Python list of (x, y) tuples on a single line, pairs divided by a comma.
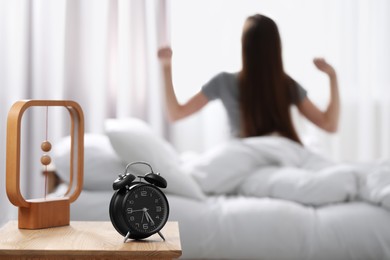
[(146, 209)]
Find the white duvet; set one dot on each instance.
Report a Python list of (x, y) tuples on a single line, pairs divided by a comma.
[(279, 168), (273, 180), (239, 227)]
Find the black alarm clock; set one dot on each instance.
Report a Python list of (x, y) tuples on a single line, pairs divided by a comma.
[(138, 208)]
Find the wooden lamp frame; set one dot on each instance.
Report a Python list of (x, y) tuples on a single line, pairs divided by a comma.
[(43, 213)]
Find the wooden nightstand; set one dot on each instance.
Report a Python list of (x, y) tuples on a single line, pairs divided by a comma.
[(85, 240)]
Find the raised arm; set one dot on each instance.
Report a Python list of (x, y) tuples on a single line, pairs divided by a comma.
[(327, 120), (176, 110)]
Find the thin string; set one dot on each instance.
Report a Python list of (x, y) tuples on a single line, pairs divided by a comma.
[(46, 138)]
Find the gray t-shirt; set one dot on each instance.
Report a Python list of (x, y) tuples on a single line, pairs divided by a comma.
[(225, 87)]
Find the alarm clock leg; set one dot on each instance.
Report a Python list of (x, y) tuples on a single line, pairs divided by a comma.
[(161, 235), (126, 237)]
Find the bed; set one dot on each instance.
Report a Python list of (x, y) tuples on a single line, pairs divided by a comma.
[(253, 198)]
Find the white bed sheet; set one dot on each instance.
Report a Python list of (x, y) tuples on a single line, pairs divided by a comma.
[(237, 227)]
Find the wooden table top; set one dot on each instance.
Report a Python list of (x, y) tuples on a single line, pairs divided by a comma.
[(87, 239)]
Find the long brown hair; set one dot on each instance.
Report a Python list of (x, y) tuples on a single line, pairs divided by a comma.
[(265, 97)]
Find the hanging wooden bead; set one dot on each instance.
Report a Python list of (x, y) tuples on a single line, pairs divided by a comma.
[(46, 146), (45, 159)]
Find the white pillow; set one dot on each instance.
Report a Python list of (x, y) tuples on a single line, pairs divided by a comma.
[(101, 164), (134, 140)]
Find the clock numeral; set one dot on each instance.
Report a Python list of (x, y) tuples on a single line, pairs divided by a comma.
[(156, 201), (158, 209), (131, 218), (157, 217), (137, 225), (131, 202), (136, 196), (129, 210), (145, 226), (144, 193)]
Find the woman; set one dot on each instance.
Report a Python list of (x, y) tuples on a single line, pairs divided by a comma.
[(258, 98)]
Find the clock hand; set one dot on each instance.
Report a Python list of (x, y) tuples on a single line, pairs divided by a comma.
[(137, 210), (147, 216), (150, 218), (142, 219)]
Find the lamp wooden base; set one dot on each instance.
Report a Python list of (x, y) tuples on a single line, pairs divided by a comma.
[(44, 213)]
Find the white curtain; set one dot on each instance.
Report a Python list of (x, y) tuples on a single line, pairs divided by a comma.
[(101, 54), (353, 35)]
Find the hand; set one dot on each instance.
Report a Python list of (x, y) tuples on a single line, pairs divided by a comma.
[(149, 218), (323, 66), (131, 210), (165, 55)]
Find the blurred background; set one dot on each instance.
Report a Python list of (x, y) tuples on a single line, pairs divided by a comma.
[(102, 54)]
